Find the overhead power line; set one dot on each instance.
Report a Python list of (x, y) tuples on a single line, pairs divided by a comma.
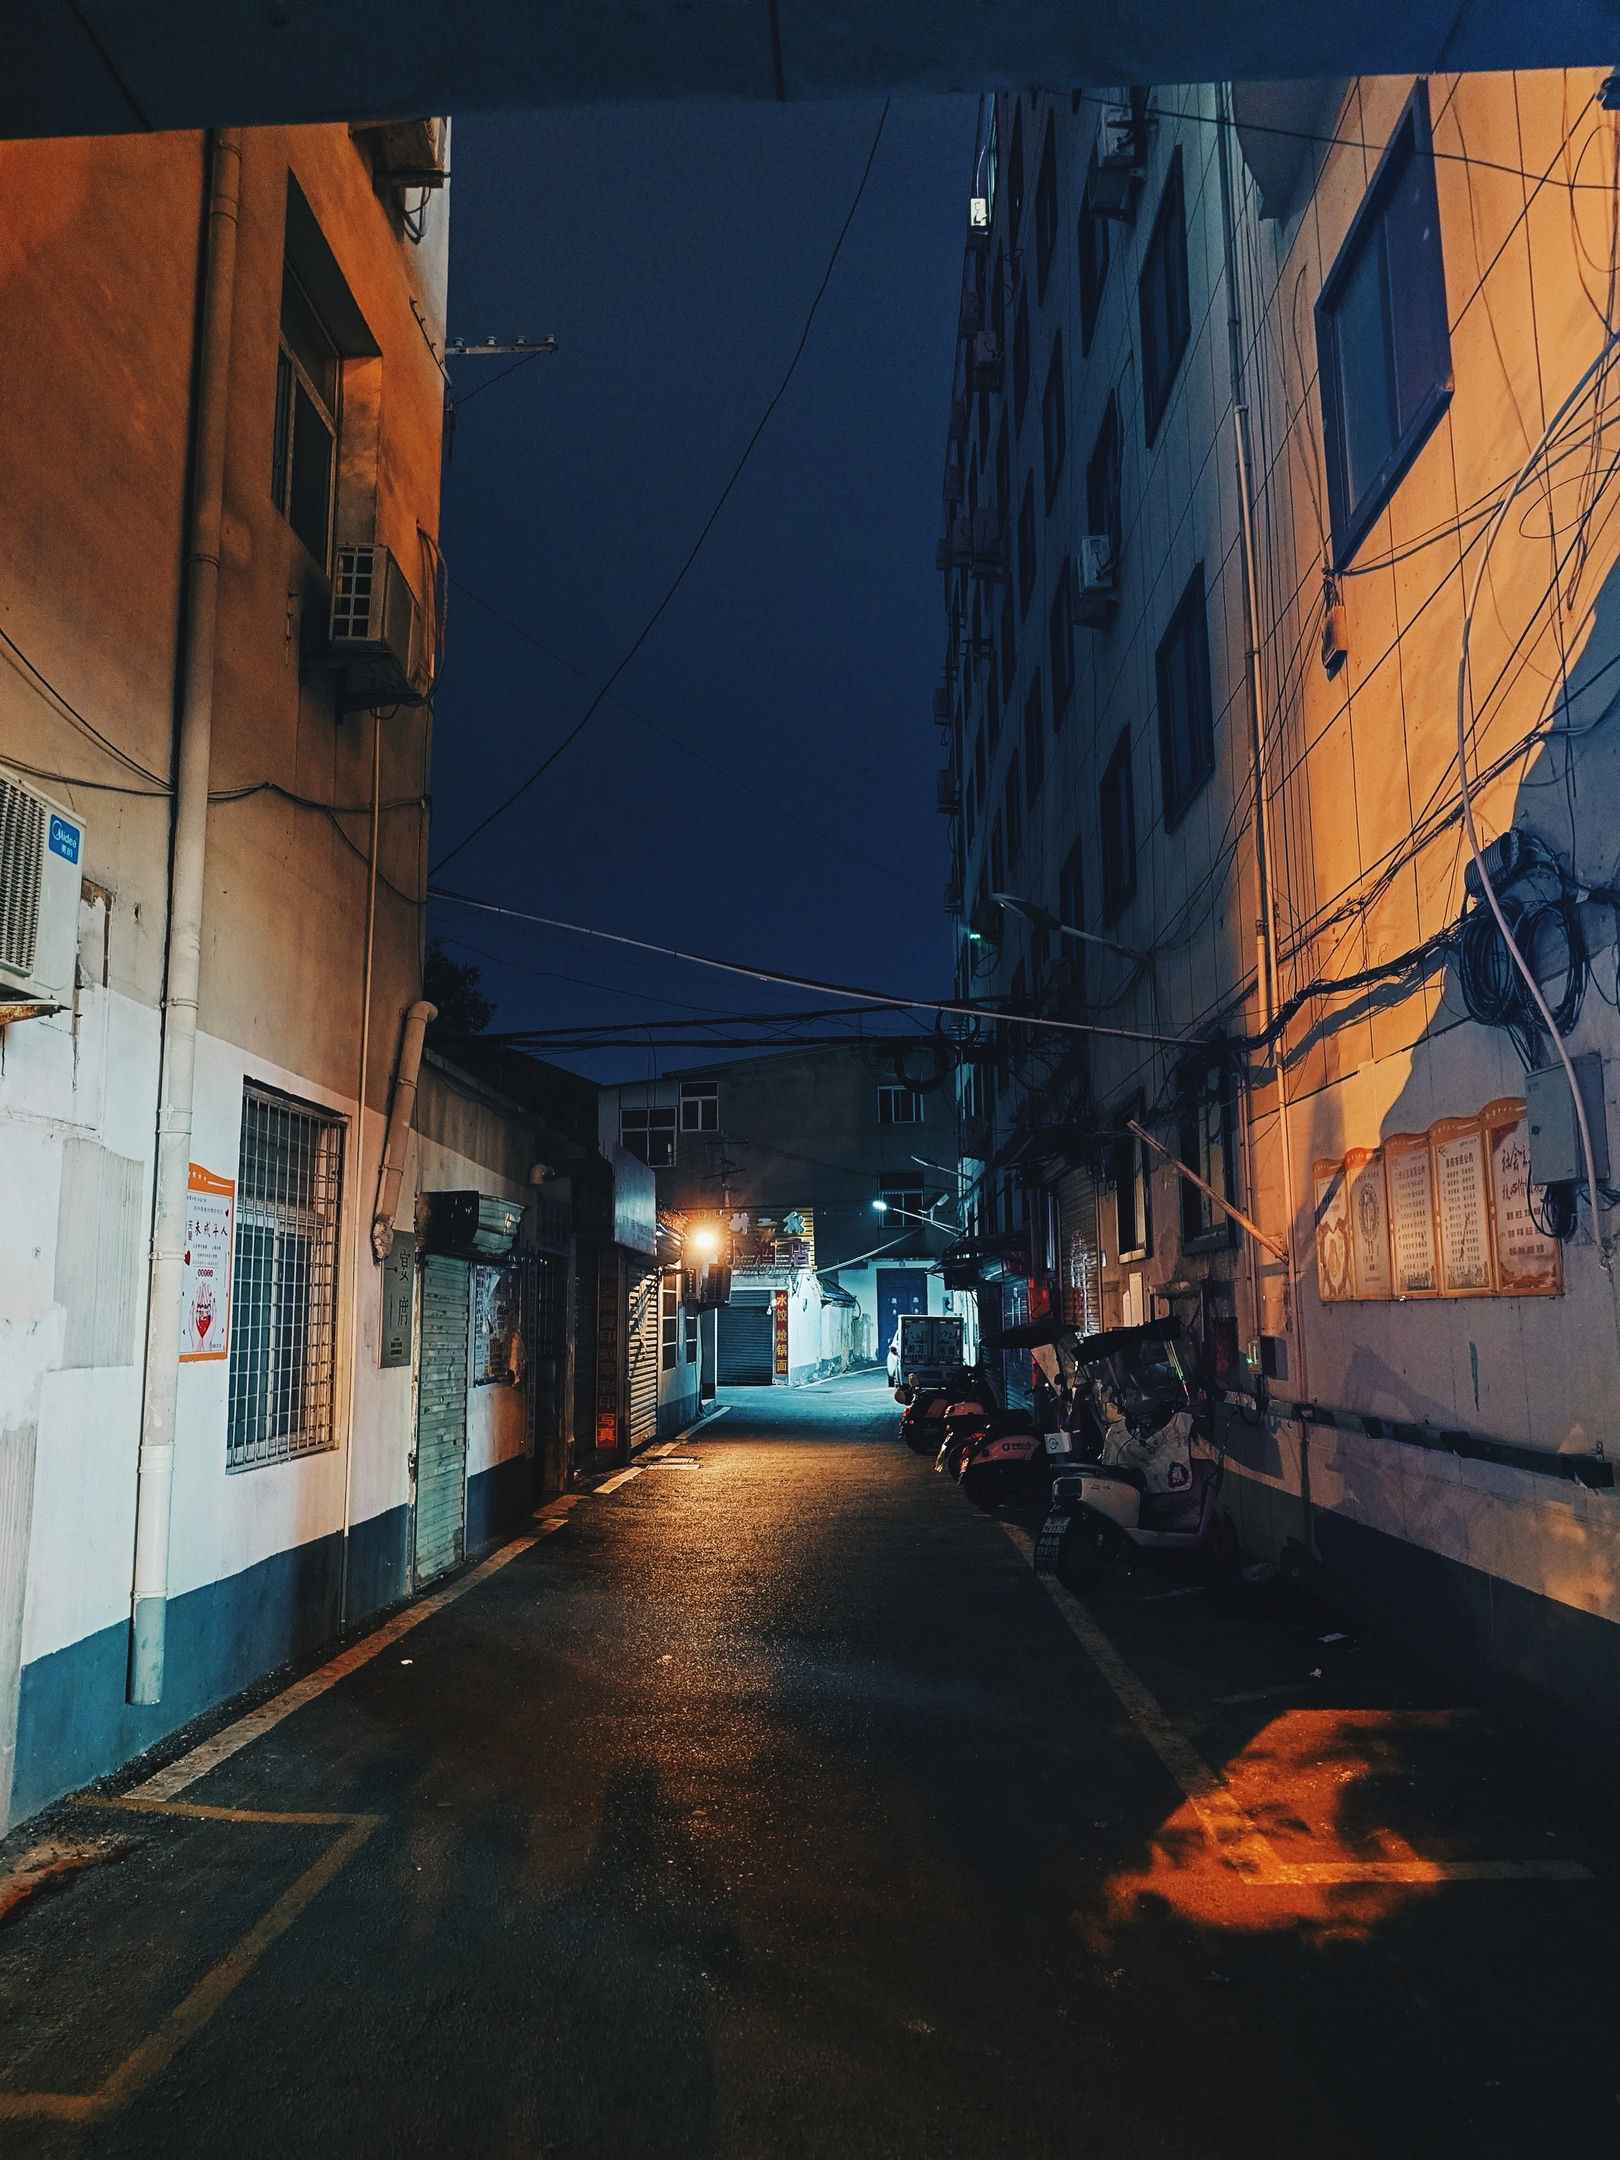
[(693, 552), (876, 998)]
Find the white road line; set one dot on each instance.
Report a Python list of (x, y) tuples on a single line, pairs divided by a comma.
[(210, 1753), (1224, 1823), (619, 1477)]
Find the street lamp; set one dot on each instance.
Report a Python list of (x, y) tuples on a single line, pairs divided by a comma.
[(1044, 919), (888, 1207)]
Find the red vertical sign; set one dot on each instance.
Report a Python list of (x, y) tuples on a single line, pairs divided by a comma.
[(781, 1334)]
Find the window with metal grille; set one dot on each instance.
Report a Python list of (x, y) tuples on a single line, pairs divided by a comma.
[(1166, 312), (22, 857), (284, 1324)]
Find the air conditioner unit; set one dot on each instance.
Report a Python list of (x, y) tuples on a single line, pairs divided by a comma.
[(984, 362), (948, 796), (978, 221), (1094, 581), (406, 153), (989, 542), (41, 846), (373, 632), (953, 897), (952, 489), (957, 431), (942, 708)]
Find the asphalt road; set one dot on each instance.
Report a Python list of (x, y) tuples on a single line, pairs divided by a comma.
[(768, 1805)]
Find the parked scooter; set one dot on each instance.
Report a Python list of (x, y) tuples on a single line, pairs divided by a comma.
[(1130, 1478), (967, 1394)]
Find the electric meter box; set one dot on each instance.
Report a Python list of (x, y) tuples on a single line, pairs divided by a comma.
[(41, 854), (1555, 1133)]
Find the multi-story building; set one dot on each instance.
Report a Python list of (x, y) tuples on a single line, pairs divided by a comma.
[(224, 1386), (823, 1171), (1274, 405)]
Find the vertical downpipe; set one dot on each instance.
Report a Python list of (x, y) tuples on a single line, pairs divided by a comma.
[(183, 969), (355, 1271), (1266, 955)]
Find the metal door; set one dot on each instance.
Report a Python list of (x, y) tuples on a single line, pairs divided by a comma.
[(900, 1290), (745, 1350), (441, 1419)]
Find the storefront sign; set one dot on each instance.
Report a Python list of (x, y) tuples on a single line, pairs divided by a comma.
[(205, 1299), (779, 1299)]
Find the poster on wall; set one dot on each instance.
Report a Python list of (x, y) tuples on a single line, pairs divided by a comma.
[(1333, 1278), (1368, 1217), (1528, 1262), (1458, 1147), (1409, 1187), (205, 1298)]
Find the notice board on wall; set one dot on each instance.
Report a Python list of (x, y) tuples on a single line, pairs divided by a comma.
[(1445, 1213)]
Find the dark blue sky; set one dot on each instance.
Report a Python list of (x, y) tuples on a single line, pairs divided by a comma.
[(675, 251)]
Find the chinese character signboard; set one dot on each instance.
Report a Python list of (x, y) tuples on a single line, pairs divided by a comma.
[(205, 1300), (780, 1301)]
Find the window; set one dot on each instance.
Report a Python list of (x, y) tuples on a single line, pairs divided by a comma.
[(497, 1326), (1060, 639), (1026, 546), (1166, 316), (1092, 236), (304, 459), (691, 1338), (992, 717), (669, 1328), (1118, 810), (283, 1324), (1054, 422), (899, 1106), (1206, 1146), (1034, 741), (1046, 209), (1103, 484), (1186, 733), (1133, 1194), (908, 1197), (700, 1106), (1020, 359), (979, 748), (1015, 176), (649, 1134), (998, 858), (1382, 340), (1009, 643), (1012, 810), (1003, 469)]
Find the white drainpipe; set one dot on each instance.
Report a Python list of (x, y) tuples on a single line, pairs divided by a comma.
[(400, 1119), (184, 961)]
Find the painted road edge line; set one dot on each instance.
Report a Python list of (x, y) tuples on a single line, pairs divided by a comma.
[(1228, 1829), (210, 1753)]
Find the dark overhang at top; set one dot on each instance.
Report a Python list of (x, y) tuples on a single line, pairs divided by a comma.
[(80, 67)]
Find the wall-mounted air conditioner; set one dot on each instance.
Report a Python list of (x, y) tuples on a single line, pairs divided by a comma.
[(1094, 581), (947, 792), (373, 628), (41, 847)]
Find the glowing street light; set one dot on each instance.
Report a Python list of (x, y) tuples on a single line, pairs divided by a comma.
[(1044, 919)]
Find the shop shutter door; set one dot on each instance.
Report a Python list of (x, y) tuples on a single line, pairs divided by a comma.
[(747, 1340), (441, 1419), (644, 1346)]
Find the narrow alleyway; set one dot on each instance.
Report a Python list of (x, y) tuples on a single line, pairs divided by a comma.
[(768, 1805)]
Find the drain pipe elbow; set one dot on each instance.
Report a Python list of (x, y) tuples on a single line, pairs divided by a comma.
[(400, 1119)]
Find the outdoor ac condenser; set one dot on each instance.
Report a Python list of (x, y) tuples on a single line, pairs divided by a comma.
[(1094, 581), (41, 846), (373, 632)]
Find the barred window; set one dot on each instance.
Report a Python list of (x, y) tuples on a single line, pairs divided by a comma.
[(284, 1291)]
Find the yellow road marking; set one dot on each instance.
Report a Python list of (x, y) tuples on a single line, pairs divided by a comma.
[(619, 1477), (1223, 1821), (155, 2053)]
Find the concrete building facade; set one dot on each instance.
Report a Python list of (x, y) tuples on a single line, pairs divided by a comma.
[(1268, 399)]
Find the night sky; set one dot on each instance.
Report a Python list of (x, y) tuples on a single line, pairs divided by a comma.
[(675, 252)]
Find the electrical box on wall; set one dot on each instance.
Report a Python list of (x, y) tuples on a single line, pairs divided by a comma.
[(41, 855), (1555, 1133)]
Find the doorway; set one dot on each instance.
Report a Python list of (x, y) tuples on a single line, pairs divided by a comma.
[(899, 1290)]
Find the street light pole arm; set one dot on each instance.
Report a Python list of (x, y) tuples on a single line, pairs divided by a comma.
[(1272, 1245)]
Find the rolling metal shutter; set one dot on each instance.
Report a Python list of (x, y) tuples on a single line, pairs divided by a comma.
[(441, 1419), (746, 1340), (643, 1357)]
